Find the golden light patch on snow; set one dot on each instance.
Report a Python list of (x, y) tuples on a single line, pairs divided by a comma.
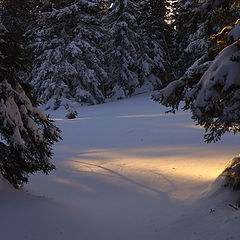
[(179, 171), (149, 115), (73, 184), (183, 125), (193, 126)]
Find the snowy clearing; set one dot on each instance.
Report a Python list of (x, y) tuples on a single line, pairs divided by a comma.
[(125, 170)]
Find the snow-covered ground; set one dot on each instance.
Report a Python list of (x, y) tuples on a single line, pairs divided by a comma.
[(125, 170)]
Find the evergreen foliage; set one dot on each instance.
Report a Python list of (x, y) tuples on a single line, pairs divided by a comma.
[(195, 23), (17, 16), (26, 133), (67, 63), (88, 51), (231, 174), (136, 54), (207, 86)]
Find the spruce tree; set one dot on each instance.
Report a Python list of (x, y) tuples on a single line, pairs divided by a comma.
[(205, 23), (16, 15), (26, 133), (67, 58), (90, 51), (195, 23), (135, 51)]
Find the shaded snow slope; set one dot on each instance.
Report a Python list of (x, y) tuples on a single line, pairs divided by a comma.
[(125, 170)]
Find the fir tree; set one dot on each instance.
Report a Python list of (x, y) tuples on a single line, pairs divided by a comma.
[(210, 11), (194, 23), (135, 48), (26, 133), (92, 50), (68, 61), (18, 15), (156, 34)]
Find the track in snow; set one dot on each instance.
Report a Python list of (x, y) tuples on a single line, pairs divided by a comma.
[(125, 170)]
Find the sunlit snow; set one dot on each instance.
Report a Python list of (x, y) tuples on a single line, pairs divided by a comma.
[(125, 170)]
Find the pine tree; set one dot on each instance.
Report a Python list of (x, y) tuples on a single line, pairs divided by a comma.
[(68, 61), (204, 23), (135, 48), (18, 16), (89, 51), (26, 133), (195, 22), (156, 34)]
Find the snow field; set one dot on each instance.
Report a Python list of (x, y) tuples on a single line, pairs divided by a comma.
[(125, 170)]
